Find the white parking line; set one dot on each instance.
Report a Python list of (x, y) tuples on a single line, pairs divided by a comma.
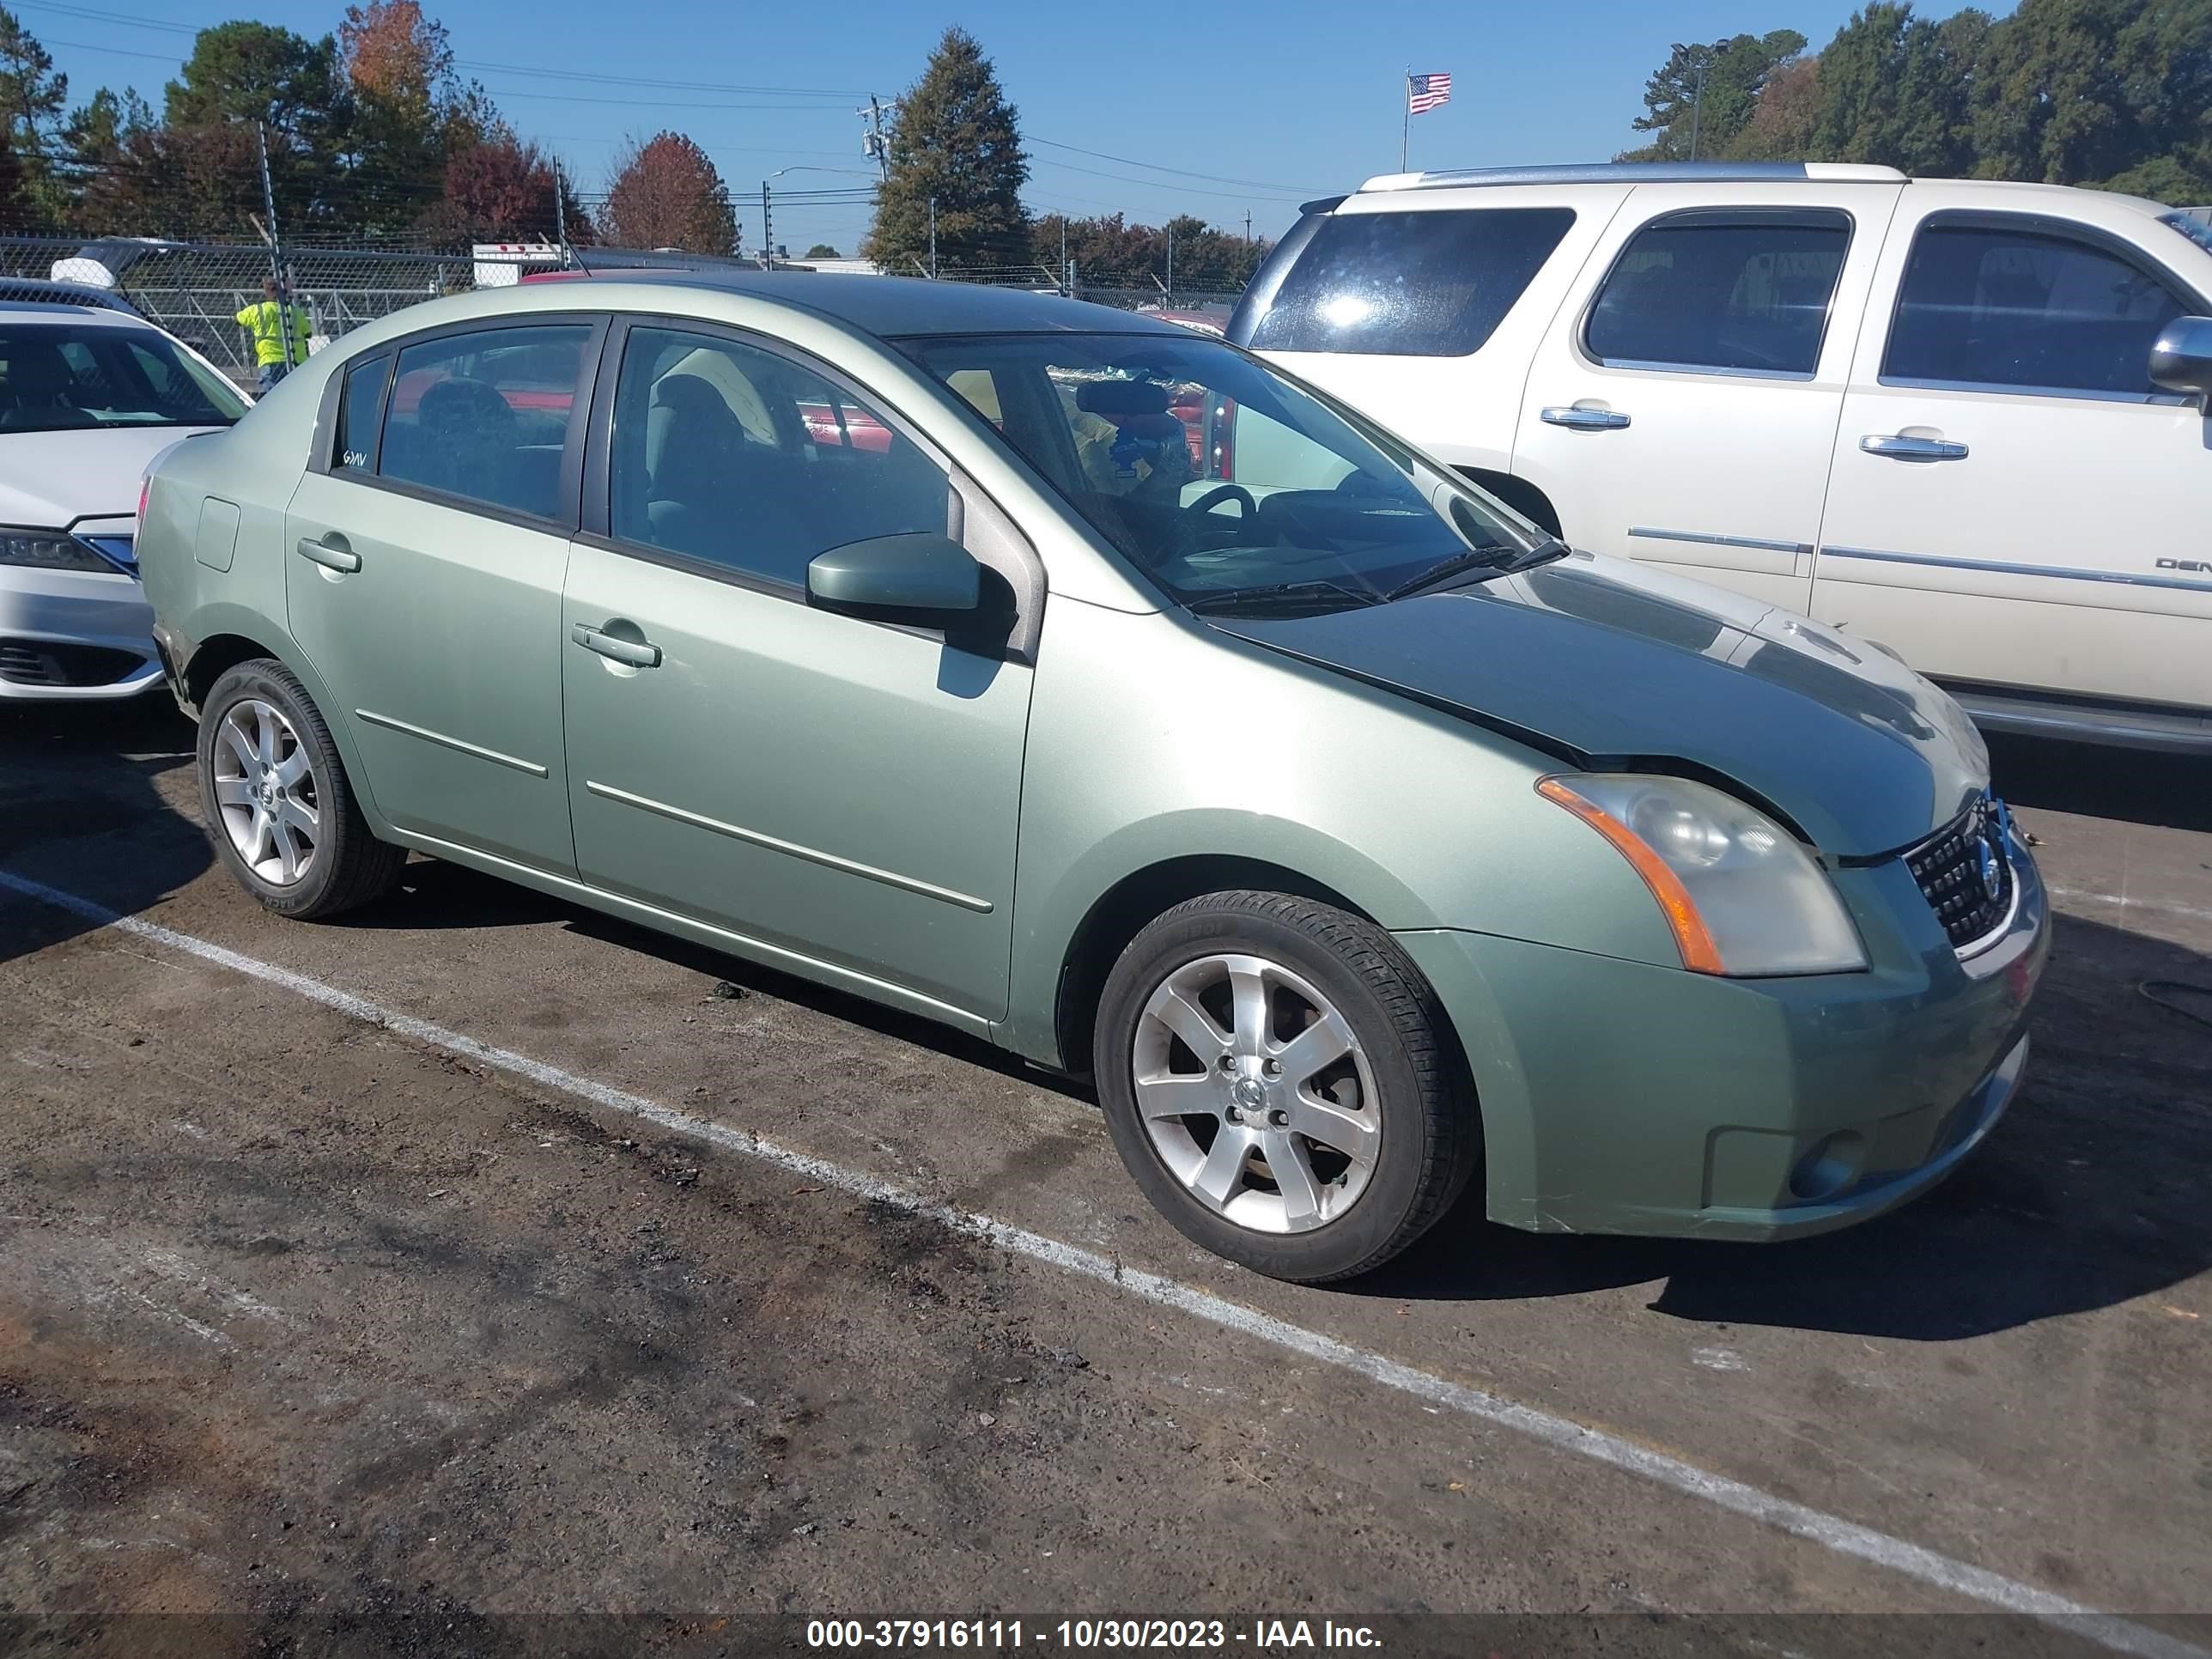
[(1799, 1520), (2194, 913)]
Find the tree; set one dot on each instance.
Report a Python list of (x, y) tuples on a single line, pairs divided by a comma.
[(1781, 123), (1894, 89), (95, 140), (240, 74), (414, 113), (2075, 91), (31, 98), (955, 143), (823, 251), (665, 194), (1110, 252), (504, 190), (1706, 93)]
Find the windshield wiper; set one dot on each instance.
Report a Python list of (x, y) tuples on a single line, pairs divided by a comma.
[(1281, 593), (1504, 561)]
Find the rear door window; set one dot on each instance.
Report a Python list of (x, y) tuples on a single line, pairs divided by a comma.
[(1984, 305), (1728, 292), (1434, 284), (483, 416)]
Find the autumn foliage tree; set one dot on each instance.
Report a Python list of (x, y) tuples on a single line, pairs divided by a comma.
[(504, 190), (665, 194)]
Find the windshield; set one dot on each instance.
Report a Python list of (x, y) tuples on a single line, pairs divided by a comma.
[(56, 378), (1219, 477)]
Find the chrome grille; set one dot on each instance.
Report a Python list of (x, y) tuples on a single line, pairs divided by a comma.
[(1965, 873)]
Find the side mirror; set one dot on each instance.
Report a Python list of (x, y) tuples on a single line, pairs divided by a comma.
[(2181, 358), (921, 578)]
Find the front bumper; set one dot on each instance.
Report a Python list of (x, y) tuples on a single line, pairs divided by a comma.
[(74, 637), (1618, 1097)]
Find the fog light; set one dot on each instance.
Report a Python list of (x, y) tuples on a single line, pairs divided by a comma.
[(1832, 1165)]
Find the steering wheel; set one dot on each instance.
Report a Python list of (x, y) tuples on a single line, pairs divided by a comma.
[(1227, 492)]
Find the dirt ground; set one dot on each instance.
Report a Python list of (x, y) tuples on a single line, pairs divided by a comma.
[(317, 1336)]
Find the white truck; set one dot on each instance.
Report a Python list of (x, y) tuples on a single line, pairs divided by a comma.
[(1967, 421)]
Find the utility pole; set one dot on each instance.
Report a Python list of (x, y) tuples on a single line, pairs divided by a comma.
[(932, 238), (560, 216), (1170, 262), (871, 141), (767, 240), (1697, 109), (1063, 255), (1247, 227), (276, 246)]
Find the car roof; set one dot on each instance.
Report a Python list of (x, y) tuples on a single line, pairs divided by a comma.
[(68, 311), (898, 307)]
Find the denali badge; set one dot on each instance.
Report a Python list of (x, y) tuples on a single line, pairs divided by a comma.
[(2203, 565)]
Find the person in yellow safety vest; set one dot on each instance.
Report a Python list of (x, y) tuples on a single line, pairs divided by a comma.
[(274, 355)]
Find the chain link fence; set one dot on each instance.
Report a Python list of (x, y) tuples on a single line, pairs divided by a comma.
[(196, 289)]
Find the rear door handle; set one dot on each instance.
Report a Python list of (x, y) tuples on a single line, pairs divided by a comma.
[(1585, 419), (342, 559), (1897, 447), (638, 653)]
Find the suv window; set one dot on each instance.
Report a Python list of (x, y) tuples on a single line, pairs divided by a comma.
[(1992, 305), (1722, 291), (484, 414), (1434, 284), (730, 454)]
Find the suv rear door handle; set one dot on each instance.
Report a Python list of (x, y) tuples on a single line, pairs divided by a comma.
[(1898, 447), (343, 559), (1586, 420), (638, 653)]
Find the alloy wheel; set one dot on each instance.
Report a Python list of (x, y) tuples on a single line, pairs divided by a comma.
[(264, 791), (1256, 1094)]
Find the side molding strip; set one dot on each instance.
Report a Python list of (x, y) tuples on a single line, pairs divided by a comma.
[(812, 856), (454, 744)]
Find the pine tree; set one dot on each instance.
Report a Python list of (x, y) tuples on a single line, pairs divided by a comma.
[(955, 143)]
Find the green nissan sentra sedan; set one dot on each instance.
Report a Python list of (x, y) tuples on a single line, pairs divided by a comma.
[(1090, 686)]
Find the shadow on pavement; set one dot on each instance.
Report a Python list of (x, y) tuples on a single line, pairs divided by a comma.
[(78, 774), (2090, 1193), (2137, 786)]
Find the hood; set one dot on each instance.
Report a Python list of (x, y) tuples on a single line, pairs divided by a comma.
[(1606, 661), (49, 480)]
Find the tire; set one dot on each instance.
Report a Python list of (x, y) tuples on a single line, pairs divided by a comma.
[(1399, 1103), (310, 869)]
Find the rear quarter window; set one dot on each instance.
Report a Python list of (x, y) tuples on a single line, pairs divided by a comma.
[(1414, 284)]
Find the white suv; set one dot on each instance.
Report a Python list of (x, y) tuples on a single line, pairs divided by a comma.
[(1966, 420)]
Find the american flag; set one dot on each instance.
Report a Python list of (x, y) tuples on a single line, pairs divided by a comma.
[(1426, 92)]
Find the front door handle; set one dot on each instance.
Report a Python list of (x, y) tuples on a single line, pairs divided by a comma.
[(1902, 446), (1585, 419), (638, 653), (342, 559)]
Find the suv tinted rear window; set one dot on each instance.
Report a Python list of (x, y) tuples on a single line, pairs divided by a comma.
[(1431, 285), (1722, 291)]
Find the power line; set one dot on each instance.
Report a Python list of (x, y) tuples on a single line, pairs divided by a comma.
[(1154, 166)]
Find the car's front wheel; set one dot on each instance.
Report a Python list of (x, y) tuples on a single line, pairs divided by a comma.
[(1280, 1080), (277, 801)]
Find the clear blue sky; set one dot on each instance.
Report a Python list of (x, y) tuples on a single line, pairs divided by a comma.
[(1298, 95)]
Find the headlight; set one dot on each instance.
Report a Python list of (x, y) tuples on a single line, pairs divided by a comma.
[(1741, 894), (50, 549)]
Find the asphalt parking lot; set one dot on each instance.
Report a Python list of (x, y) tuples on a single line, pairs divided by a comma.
[(399, 1276)]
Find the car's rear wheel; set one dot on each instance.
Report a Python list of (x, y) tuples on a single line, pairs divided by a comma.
[(277, 802), (1280, 1080)]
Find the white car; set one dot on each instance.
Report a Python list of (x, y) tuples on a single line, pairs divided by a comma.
[(88, 397), (1967, 421)]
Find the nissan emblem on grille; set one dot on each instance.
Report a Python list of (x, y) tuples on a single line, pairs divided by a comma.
[(1965, 873)]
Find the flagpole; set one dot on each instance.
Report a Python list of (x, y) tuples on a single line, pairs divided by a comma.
[(1405, 115)]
